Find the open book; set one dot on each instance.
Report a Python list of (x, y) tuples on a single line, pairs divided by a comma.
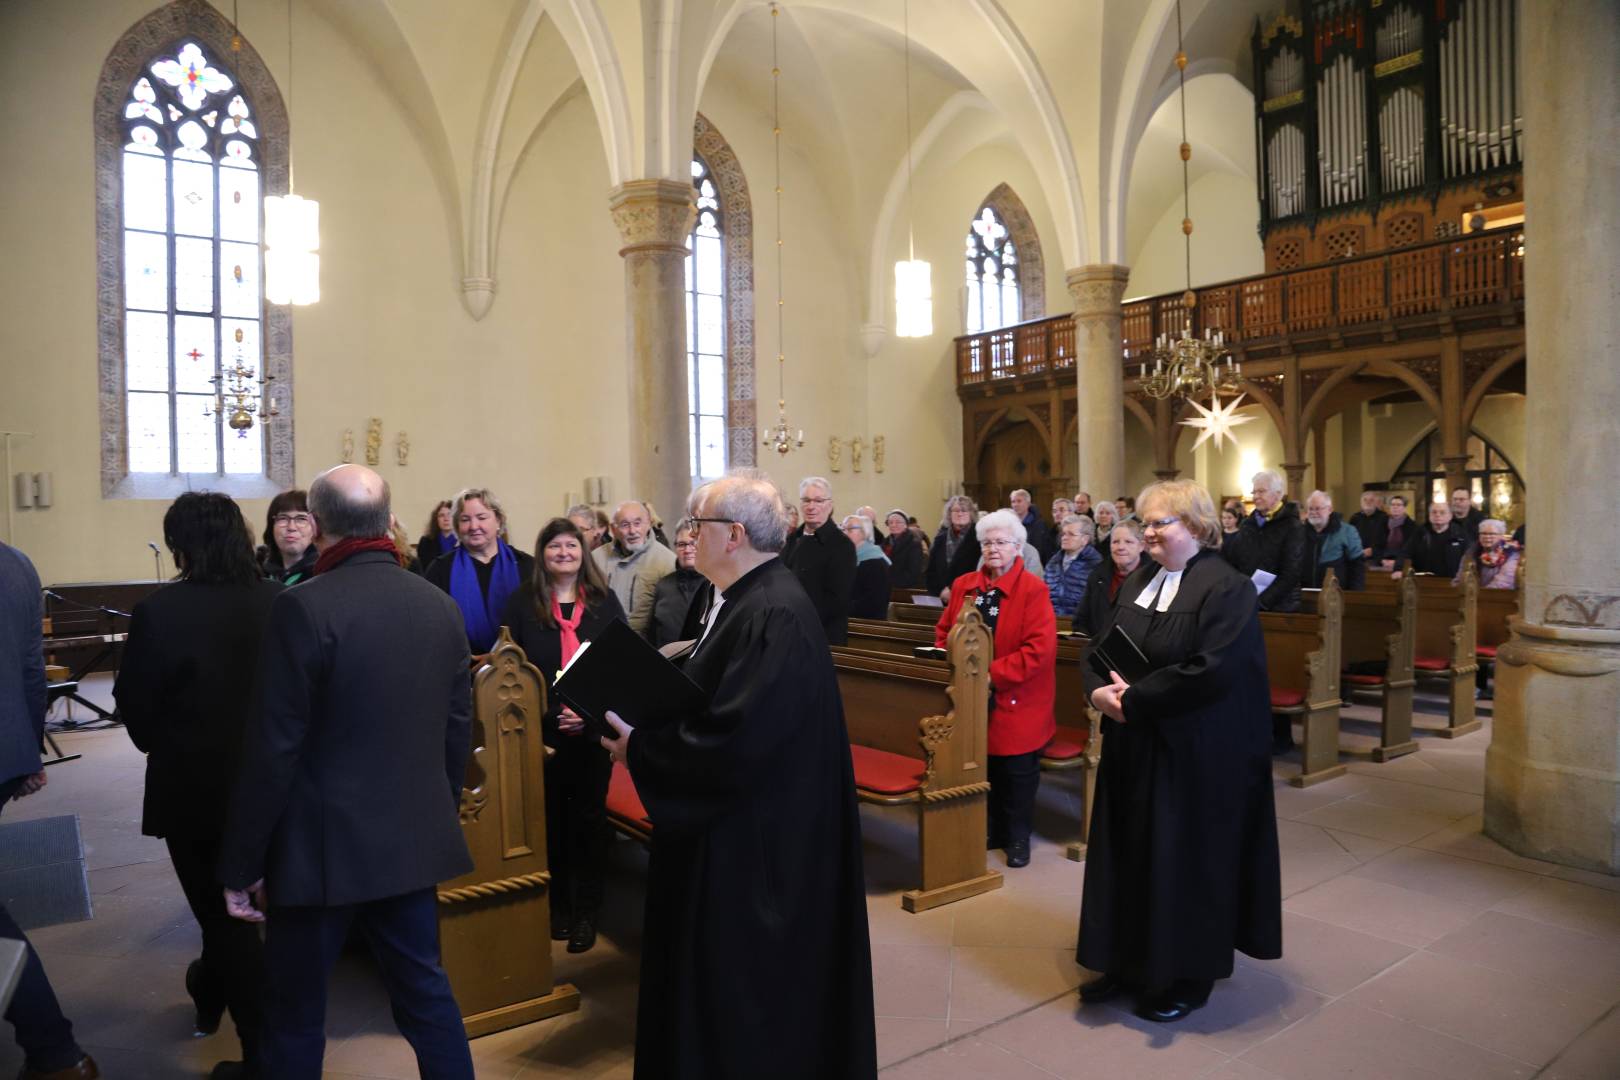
[(622, 672)]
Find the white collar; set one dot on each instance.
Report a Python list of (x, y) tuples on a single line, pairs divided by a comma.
[(1164, 586)]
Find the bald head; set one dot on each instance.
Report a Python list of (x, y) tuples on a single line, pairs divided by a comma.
[(349, 501)]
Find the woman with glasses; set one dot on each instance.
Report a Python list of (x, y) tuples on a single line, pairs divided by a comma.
[(183, 693), (289, 538), (1182, 865), (564, 603), (956, 546), (1023, 675), (672, 599), (870, 599)]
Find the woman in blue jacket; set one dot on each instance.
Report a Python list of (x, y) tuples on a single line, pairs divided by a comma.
[(1070, 567)]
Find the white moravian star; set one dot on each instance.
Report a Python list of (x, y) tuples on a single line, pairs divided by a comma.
[(1218, 421)]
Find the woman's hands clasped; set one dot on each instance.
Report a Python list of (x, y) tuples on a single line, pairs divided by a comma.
[(1106, 699)]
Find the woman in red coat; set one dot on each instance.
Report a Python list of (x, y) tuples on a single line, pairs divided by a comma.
[(1018, 610)]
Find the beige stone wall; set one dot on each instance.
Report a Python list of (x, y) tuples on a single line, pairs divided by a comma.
[(1225, 244)]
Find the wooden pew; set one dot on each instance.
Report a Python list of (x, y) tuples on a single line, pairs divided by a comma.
[(922, 613), (1073, 747), (1379, 626), (1302, 662), (1445, 640), (1493, 609), (495, 920)]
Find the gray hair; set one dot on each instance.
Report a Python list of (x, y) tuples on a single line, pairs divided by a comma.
[(1497, 524), (1268, 480), (1320, 494), (686, 525), (485, 496), (345, 518), (581, 510), (1112, 509), (863, 521), (1088, 528), (1001, 519), (952, 503), (1017, 491), (748, 497), (814, 481)]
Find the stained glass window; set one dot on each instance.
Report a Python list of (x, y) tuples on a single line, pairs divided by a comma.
[(193, 303), (992, 274), (706, 329)]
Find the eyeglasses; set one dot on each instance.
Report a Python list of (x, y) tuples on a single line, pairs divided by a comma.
[(682, 545), (1160, 524), (1000, 543), (301, 521), (638, 523)]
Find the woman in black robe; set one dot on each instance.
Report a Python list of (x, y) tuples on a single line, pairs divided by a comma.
[(1182, 865)]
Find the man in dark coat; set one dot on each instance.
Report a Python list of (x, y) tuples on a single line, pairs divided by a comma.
[(1333, 545), (1271, 539), (43, 1033), (823, 559), (1036, 532), (346, 810), (1464, 514), (1371, 523), (1439, 548), (755, 960)]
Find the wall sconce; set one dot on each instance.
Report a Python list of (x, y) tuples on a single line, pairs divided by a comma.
[(33, 490), (597, 490)]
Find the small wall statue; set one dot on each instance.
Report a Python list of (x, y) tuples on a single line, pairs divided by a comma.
[(402, 448), (835, 451), (348, 446), (856, 445), (877, 453), (374, 441)]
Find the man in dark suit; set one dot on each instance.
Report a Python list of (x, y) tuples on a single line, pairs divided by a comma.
[(823, 559), (45, 1035), (346, 810)]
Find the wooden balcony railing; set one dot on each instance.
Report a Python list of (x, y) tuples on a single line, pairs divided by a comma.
[(1321, 304)]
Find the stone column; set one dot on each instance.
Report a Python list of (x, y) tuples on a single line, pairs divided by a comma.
[(1552, 774), (1100, 373), (654, 217)]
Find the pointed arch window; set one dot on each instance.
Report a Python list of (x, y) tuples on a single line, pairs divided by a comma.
[(706, 328), (992, 274), (190, 138)]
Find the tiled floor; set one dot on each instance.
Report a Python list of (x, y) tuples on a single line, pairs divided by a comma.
[(1414, 947)]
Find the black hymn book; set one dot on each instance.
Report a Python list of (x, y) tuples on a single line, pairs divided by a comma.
[(620, 670), (1118, 652)]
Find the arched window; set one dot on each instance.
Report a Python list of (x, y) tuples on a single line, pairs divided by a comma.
[(706, 328), (1493, 482), (185, 158), (992, 274)]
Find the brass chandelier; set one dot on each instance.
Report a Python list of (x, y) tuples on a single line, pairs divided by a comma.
[(781, 437)]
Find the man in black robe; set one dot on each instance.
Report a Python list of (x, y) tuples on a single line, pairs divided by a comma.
[(756, 960)]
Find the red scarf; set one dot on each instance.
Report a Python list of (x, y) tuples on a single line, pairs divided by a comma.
[(1115, 582), (354, 545), (568, 628)]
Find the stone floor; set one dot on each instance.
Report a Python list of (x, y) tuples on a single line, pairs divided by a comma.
[(1415, 947)]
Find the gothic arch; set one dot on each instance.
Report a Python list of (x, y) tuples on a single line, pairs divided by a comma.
[(1476, 394), (1031, 265), (165, 27), (741, 409)]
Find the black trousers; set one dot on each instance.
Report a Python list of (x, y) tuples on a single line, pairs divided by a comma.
[(576, 824), (43, 1033), (232, 963), (302, 944), (1014, 779)]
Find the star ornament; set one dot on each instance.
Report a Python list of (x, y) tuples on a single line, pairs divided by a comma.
[(1217, 421)]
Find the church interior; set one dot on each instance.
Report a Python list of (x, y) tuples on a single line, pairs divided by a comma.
[(642, 242)]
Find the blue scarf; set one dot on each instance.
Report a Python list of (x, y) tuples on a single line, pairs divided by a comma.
[(446, 542), (869, 551), (482, 614)]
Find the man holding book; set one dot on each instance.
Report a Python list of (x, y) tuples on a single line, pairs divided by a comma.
[(756, 959)]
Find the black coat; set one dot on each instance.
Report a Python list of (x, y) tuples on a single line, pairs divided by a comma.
[(941, 572), (1095, 611), (301, 570), (427, 552), (1396, 548), (824, 563), (543, 644), (1182, 864), (905, 561), (1439, 553), (1039, 536), (671, 601), (871, 596), (354, 758), (1371, 527), (437, 573), (1277, 547), (1469, 522), (184, 691), (755, 960)]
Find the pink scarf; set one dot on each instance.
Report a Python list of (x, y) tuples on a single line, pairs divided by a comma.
[(568, 628)]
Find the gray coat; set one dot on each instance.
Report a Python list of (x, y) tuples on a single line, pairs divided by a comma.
[(22, 666)]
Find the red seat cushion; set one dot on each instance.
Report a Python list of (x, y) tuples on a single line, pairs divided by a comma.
[(885, 773), (1365, 680), (1432, 663), (1286, 699), (1068, 744), (622, 800), (1487, 651)]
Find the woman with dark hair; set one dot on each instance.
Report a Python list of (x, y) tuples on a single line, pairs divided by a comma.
[(565, 604), (483, 570), (439, 537), (905, 551), (183, 691), (289, 538)]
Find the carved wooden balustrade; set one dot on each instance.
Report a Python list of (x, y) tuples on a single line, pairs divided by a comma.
[(1421, 291)]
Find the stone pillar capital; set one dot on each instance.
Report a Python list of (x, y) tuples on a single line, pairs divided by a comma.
[(1097, 289), (653, 215)]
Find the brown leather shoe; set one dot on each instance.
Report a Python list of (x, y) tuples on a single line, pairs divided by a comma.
[(84, 1070)]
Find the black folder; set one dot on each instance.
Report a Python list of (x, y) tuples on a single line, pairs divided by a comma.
[(620, 670), (1117, 652)]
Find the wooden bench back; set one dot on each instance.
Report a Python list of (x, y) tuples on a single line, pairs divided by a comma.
[(1493, 608), (922, 613), (1446, 613), (1304, 649), (1378, 625), (899, 639)]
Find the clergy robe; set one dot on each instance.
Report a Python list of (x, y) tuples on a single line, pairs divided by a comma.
[(1182, 863), (756, 960)]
